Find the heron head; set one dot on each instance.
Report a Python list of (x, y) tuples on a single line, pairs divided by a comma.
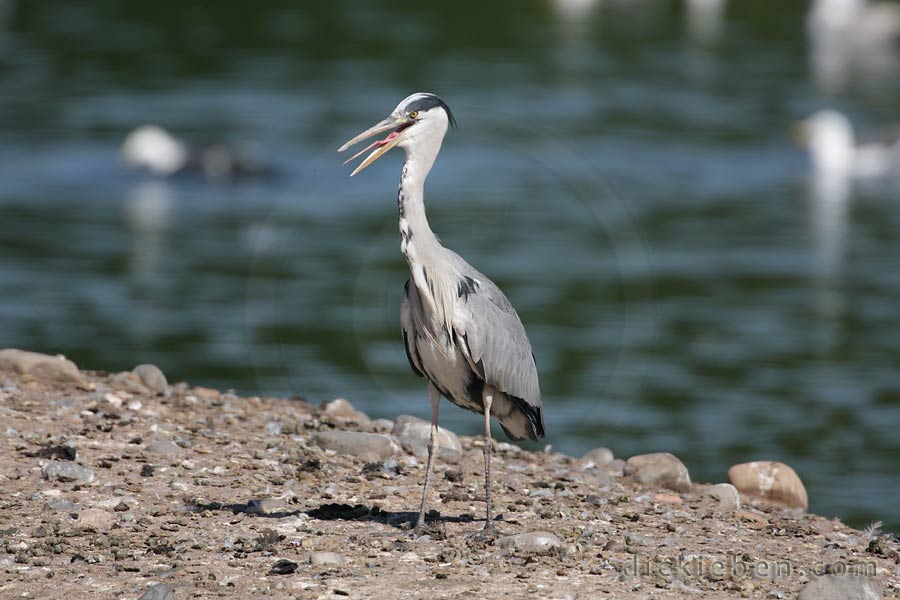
[(421, 118)]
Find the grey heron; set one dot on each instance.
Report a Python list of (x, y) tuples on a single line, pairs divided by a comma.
[(460, 331)]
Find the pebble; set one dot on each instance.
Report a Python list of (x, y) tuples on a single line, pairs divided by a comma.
[(179, 485), (160, 591), (659, 468), (371, 447), (265, 506), (533, 542), (382, 425), (317, 559), (840, 587), (56, 470), (414, 433), (166, 447), (39, 366), (152, 377), (283, 567), (342, 409), (95, 518), (727, 495), (63, 505), (770, 480), (599, 456)]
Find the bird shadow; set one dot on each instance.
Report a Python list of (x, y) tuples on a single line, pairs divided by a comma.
[(403, 520)]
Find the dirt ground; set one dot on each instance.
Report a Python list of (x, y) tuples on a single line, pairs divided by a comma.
[(225, 497)]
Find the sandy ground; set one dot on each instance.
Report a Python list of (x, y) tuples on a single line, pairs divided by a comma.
[(225, 497)]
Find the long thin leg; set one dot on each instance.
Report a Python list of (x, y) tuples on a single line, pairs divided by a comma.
[(434, 396), (488, 448)]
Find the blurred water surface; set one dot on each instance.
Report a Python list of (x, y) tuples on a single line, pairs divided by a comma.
[(624, 172)]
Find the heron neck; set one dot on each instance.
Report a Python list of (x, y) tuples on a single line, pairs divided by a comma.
[(414, 227)]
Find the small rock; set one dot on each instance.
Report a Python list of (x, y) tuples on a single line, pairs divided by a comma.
[(152, 377), (660, 468), (382, 425), (166, 447), (66, 472), (727, 495), (63, 505), (533, 542), (599, 456), (265, 506), (179, 485), (667, 498), (317, 559), (414, 434), (205, 393), (95, 518), (840, 587), (342, 409), (371, 447), (39, 366), (770, 480), (160, 591), (283, 567)]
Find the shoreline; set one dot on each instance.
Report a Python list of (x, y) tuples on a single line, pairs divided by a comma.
[(118, 482)]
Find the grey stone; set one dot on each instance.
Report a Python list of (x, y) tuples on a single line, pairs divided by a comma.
[(414, 433), (166, 447), (317, 559), (840, 587), (727, 495), (160, 591), (371, 447), (66, 472), (40, 366), (533, 542), (342, 409), (659, 468), (382, 425), (152, 377), (599, 456), (63, 505), (95, 518)]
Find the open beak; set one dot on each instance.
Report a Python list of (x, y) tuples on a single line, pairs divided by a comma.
[(396, 125)]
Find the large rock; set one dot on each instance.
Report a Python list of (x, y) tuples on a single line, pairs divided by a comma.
[(40, 366), (371, 447), (599, 456), (660, 468), (414, 434), (771, 480), (840, 587)]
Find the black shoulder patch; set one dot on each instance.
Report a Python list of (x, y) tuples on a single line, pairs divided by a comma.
[(466, 286)]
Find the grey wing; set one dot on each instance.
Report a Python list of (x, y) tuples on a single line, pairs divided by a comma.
[(409, 333), (493, 340)]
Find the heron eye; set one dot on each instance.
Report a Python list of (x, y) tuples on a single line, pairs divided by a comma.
[(414, 114)]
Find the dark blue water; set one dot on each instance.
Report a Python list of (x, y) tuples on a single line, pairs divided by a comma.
[(628, 181)]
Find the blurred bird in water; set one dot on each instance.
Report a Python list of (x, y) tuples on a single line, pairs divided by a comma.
[(459, 330), (828, 135), (153, 149)]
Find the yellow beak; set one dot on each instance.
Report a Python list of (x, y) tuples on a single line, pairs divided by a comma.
[(381, 146)]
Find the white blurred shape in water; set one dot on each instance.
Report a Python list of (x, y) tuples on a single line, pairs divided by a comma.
[(848, 37), (153, 148)]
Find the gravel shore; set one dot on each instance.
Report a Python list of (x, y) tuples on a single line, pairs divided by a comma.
[(119, 485)]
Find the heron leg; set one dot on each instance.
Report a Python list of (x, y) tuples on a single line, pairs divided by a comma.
[(434, 396), (487, 449)]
